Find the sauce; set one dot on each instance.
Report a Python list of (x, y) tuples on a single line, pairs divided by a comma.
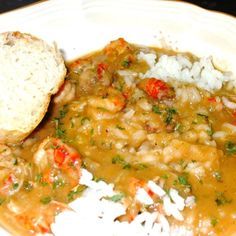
[(123, 128)]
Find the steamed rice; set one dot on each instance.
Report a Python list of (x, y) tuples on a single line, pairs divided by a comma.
[(95, 208), (180, 68)]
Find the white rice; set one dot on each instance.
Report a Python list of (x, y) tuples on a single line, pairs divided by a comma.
[(228, 103), (180, 68), (94, 213)]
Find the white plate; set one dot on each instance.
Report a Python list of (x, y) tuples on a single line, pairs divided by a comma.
[(79, 27)]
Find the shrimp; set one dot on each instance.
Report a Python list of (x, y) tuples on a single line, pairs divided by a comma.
[(117, 47), (155, 88), (112, 104), (12, 172), (54, 158), (39, 220), (66, 93)]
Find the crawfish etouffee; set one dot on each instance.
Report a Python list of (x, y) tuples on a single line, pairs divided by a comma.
[(126, 128)]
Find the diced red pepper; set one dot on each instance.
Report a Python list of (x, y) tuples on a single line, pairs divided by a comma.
[(60, 155), (65, 157), (75, 158), (100, 69), (234, 113), (212, 99), (157, 89), (150, 192), (7, 184)]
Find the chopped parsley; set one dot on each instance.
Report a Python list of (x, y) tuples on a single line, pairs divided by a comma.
[(119, 160), (39, 179), (15, 163), (126, 63), (27, 186), (84, 120), (202, 115), (230, 148), (217, 175), (46, 200), (2, 200), (182, 180), (115, 198), (214, 222), (74, 192), (97, 179), (170, 112), (120, 86), (140, 166), (156, 109), (179, 127), (165, 176), (210, 131), (58, 183), (63, 112), (60, 132), (15, 186), (120, 127), (92, 131), (221, 199), (102, 108)]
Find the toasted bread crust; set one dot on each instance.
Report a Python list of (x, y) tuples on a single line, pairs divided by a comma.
[(37, 88)]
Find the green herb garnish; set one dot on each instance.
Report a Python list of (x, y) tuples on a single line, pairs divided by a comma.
[(46, 200), (115, 198), (202, 115), (169, 115), (221, 199), (15, 163), (27, 186), (126, 63), (2, 200), (140, 166), (214, 222), (84, 120), (15, 186), (60, 132), (58, 183), (119, 160), (119, 127), (76, 191), (156, 109), (183, 180), (164, 176), (217, 176), (230, 148)]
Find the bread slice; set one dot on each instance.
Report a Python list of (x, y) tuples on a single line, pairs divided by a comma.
[(30, 72)]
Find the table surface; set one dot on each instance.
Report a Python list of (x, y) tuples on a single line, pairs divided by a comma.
[(228, 6)]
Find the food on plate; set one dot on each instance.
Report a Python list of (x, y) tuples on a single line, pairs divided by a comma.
[(31, 71), (138, 141)]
